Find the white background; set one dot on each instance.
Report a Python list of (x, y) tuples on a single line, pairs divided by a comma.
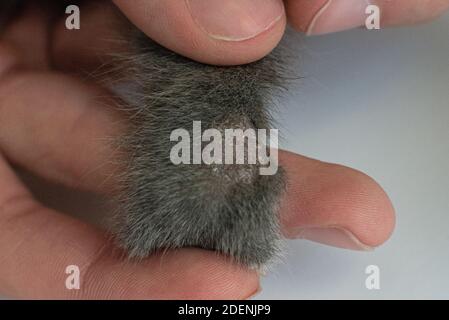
[(377, 101)]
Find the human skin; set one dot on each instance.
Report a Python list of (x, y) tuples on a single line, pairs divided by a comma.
[(324, 202)]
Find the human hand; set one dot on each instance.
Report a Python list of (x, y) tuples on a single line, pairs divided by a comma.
[(237, 32), (56, 125)]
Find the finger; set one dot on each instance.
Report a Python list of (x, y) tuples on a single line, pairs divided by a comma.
[(9, 8), (60, 128), (213, 31), (38, 244), (325, 16), (42, 42), (334, 205), (38, 142), (34, 21), (319, 194), (85, 50)]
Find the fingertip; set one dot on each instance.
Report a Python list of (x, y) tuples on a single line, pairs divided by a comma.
[(369, 213), (327, 16), (301, 13), (334, 205), (232, 32)]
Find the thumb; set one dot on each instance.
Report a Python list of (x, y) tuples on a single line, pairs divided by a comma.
[(211, 31)]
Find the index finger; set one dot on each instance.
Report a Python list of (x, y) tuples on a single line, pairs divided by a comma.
[(325, 16)]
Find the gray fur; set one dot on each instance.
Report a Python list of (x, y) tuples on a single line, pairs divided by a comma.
[(228, 208)]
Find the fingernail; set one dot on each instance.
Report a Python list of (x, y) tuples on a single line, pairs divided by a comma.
[(338, 15), (235, 20), (333, 236)]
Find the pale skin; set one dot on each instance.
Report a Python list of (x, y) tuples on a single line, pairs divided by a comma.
[(53, 123)]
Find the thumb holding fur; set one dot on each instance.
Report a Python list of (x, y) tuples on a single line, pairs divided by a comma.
[(211, 31)]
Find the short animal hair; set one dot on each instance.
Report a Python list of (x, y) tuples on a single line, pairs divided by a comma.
[(227, 208)]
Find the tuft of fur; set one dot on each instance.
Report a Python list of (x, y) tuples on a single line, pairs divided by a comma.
[(227, 208)]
